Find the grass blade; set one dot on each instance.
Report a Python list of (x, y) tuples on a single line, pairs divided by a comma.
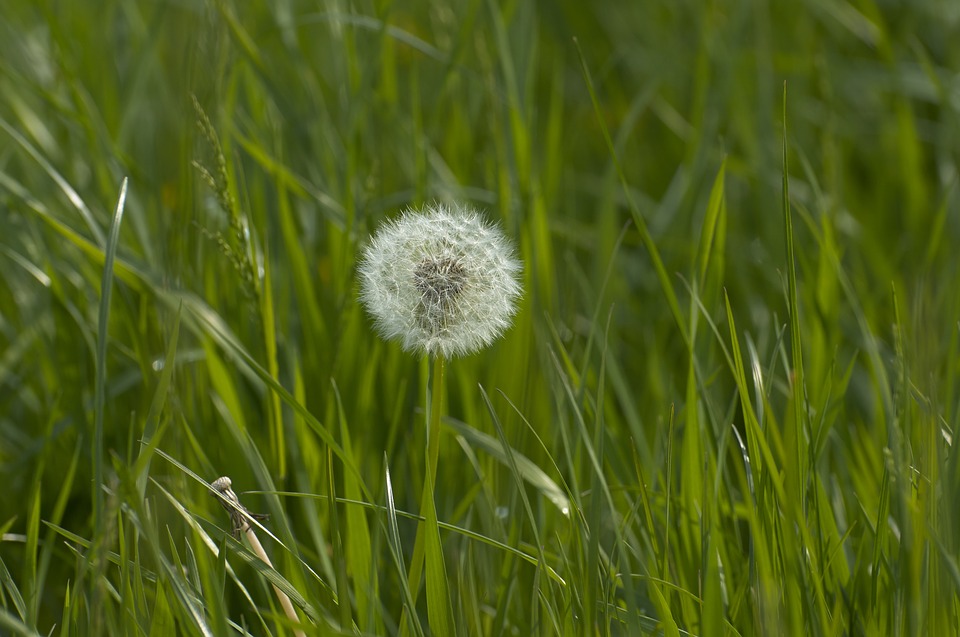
[(106, 288), (396, 550), (526, 468), (61, 182), (359, 553), (799, 430)]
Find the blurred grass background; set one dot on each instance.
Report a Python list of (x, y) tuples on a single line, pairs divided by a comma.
[(757, 459)]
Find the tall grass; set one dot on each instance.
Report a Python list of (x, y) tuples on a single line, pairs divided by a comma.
[(726, 407)]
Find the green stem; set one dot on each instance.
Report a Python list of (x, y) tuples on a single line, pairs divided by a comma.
[(427, 545), (434, 405)]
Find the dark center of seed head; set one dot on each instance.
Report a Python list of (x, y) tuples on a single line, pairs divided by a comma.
[(439, 281)]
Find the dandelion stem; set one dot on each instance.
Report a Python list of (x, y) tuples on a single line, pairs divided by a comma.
[(434, 400), (428, 545)]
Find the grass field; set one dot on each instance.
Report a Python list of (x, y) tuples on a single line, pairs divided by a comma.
[(727, 402)]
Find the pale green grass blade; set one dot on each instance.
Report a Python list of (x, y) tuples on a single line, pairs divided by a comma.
[(15, 626), (161, 622), (12, 591), (100, 376), (526, 469), (666, 623), (713, 231), (396, 550)]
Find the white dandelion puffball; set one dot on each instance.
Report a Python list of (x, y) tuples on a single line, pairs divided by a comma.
[(443, 280)]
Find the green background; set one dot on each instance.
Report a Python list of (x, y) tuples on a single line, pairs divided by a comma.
[(749, 415)]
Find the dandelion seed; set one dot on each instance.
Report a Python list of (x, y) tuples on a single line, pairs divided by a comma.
[(442, 280)]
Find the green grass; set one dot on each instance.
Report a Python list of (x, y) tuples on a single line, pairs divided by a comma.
[(726, 407)]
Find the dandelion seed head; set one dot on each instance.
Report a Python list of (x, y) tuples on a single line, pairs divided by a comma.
[(442, 280)]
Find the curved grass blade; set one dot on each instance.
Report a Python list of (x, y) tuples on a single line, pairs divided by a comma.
[(61, 182), (6, 581), (525, 467), (445, 526), (15, 626)]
